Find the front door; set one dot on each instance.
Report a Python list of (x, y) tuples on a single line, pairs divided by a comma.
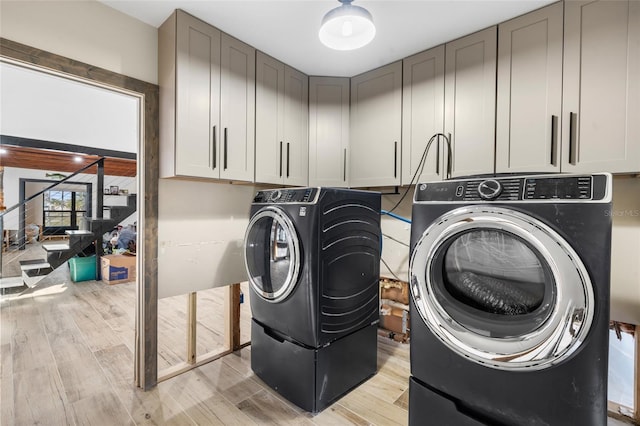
[(501, 288), (272, 254)]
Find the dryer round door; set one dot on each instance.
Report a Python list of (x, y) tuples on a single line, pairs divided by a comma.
[(272, 254), (501, 288)]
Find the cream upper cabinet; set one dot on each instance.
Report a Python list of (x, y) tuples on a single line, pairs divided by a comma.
[(207, 101), (189, 79), (237, 109), (296, 127), (601, 88), (269, 118), (376, 127), (470, 99), (281, 123), (422, 115), (529, 100), (328, 131)]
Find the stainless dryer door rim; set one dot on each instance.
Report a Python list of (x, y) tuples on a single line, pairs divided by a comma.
[(555, 339), (279, 216)]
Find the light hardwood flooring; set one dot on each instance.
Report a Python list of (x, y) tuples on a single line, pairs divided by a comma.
[(67, 358), (66, 354)]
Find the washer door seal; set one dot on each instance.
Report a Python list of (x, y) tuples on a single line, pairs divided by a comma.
[(567, 319), (272, 254)]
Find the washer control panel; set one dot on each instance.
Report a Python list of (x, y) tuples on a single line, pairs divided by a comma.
[(294, 195), (508, 188), (547, 188)]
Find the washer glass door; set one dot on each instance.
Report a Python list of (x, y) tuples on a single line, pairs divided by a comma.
[(272, 254), (501, 288)]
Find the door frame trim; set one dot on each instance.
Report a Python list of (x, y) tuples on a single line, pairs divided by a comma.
[(146, 363)]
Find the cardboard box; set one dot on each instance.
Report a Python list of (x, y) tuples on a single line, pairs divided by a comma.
[(118, 268), (394, 290), (394, 319)]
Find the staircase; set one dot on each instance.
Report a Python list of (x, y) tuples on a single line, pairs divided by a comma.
[(34, 270), (23, 266)]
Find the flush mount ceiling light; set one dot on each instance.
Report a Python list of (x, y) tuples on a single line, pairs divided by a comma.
[(347, 27)]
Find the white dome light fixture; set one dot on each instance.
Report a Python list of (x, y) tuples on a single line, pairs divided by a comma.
[(347, 27)]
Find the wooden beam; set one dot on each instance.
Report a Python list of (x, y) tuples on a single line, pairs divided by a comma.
[(235, 292), (232, 334), (192, 323), (183, 367), (232, 316)]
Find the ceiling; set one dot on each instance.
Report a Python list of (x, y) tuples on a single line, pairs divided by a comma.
[(61, 161), (288, 29)]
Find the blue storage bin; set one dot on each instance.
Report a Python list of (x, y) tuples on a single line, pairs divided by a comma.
[(82, 268)]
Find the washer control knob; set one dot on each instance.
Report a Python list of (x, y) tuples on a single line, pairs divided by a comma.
[(489, 189), (275, 195)]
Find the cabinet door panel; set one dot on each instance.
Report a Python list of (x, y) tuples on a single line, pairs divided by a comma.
[(601, 86), (269, 120), (328, 131), (296, 131), (422, 114), (470, 96), (197, 94), (530, 92), (376, 118), (237, 109)]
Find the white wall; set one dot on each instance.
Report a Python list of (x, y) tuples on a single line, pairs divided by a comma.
[(87, 31), (201, 234), (36, 105), (395, 254)]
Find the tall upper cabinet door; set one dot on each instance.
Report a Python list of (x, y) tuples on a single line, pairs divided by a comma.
[(269, 119), (470, 98), (422, 115), (530, 92), (282, 116), (328, 131), (376, 127), (296, 127), (237, 109), (189, 76), (601, 99)]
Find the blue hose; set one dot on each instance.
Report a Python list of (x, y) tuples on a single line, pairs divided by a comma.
[(395, 216)]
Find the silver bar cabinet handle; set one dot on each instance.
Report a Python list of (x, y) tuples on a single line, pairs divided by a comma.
[(573, 149)]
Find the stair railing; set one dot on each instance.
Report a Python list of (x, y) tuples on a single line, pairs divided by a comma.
[(22, 222)]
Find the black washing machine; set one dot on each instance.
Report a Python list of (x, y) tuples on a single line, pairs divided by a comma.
[(509, 280), (313, 260)]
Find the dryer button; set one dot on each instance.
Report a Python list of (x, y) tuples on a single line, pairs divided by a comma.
[(459, 191)]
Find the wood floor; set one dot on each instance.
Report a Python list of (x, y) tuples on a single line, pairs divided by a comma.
[(67, 359)]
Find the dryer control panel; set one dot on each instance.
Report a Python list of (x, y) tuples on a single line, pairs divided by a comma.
[(529, 188), (294, 195)]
